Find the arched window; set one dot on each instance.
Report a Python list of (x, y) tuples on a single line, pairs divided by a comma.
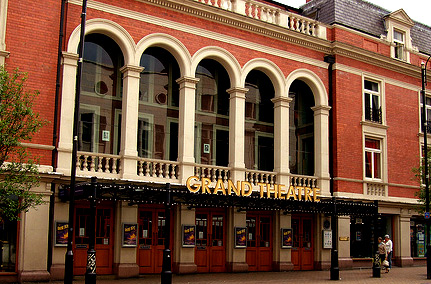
[(259, 122), (301, 129), (212, 114), (101, 100), (158, 105)]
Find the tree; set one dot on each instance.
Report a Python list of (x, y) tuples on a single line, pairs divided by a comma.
[(420, 176), (18, 168)]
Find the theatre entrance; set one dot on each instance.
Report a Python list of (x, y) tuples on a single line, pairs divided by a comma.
[(152, 238), (302, 250), (210, 251), (259, 242), (104, 242)]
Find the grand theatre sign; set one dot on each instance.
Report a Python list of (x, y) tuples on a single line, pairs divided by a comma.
[(244, 188)]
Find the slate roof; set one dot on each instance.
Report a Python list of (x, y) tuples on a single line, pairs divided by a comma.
[(365, 17)]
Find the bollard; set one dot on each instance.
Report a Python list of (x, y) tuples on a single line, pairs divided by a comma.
[(376, 265)]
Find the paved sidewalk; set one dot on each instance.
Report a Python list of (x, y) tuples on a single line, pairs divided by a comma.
[(405, 275)]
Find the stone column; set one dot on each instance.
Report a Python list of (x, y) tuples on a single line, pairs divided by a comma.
[(33, 240), (236, 132), (186, 127), (281, 139), (401, 240), (125, 265), (282, 257), (235, 257), (321, 146), (129, 121), (64, 159)]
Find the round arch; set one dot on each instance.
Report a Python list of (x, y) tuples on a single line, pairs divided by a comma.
[(225, 58), (270, 69), (313, 81), (171, 44), (110, 29)]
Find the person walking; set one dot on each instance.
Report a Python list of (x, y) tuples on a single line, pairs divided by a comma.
[(382, 251), (388, 246)]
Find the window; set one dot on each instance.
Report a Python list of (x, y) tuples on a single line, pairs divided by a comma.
[(373, 158), (428, 113), (399, 45), (373, 109)]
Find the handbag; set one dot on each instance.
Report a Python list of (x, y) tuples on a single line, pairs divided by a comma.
[(385, 263)]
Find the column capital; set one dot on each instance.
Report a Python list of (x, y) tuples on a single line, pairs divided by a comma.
[(321, 109), (70, 58), (187, 80), (281, 101), (131, 70)]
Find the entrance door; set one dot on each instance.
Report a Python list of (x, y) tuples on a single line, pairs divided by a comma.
[(152, 224), (210, 252), (302, 250), (259, 242), (103, 244)]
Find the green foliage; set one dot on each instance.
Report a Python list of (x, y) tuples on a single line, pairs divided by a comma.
[(18, 123), (420, 176)]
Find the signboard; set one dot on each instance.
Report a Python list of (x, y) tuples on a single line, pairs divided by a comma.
[(427, 215), (130, 231), (189, 236), (286, 238), (240, 237), (61, 233), (327, 239)]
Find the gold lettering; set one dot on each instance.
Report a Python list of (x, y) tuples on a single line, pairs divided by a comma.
[(281, 192), (219, 187), (316, 194), (307, 192), (269, 190), (195, 187), (250, 189), (261, 185), (300, 190), (291, 193), (205, 182), (231, 186)]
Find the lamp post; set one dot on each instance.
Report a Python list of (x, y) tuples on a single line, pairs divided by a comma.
[(68, 271), (335, 270), (426, 173), (90, 273), (166, 274)]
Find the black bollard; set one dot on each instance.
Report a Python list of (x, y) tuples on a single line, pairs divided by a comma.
[(376, 265)]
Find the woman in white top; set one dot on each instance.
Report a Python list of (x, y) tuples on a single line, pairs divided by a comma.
[(388, 245)]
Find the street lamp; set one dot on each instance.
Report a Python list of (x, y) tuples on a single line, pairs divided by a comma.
[(68, 271), (426, 173)]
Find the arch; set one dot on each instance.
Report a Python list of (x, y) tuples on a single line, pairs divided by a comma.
[(171, 44), (270, 69), (313, 81), (222, 56), (110, 29)]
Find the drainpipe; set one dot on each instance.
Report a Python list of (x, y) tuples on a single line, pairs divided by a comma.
[(54, 131), (335, 271)]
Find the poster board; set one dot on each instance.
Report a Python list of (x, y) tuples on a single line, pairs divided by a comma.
[(130, 232), (286, 238)]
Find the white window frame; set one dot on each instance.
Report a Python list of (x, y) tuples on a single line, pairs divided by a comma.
[(374, 151), (372, 93), (96, 111), (399, 44), (150, 119), (258, 134)]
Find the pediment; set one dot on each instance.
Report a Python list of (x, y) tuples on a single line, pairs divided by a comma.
[(401, 17)]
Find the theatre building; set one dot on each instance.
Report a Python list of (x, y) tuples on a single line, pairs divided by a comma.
[(251, 135)]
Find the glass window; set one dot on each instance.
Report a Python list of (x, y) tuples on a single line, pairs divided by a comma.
[(417, 237), (301, 129), (399, 44), (8, 237), (373, 109), (428, 113), (212, 114), (373, 155), (259, 122), (100, 95), (157, 132)]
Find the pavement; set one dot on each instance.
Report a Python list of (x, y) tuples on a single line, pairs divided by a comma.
[(405, 275)]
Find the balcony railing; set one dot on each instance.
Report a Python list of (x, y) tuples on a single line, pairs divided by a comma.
[(374, 114), (272, 15)]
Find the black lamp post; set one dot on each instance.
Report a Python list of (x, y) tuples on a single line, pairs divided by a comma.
[(68, 271), (426, 173), (90, 273), (166, 274), (335, 270)]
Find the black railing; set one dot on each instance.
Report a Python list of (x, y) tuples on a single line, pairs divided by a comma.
[(374, 114)]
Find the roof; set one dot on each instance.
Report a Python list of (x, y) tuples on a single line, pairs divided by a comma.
[(365, 17)]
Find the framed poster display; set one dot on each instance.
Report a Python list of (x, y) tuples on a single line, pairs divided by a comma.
[(130, 232), (189, 236), (240, 237), (286, 238), (327, 239), (61, 233)]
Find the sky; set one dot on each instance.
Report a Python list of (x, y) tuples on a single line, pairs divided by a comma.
[(418, 10)]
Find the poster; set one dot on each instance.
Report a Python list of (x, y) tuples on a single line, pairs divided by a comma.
[(130, 231), (189, 238), (327, 239), (61, 233), (240, 237), (287, 238)]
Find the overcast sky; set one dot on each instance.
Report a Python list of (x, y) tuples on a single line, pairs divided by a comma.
[(418, 10)]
